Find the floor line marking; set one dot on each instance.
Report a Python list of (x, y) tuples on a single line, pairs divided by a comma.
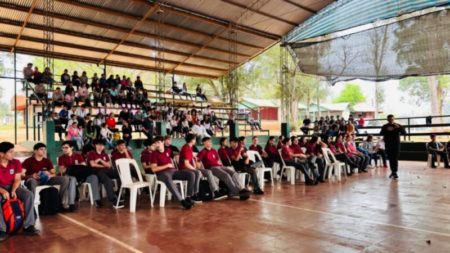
[(355, 218), (95, 231)]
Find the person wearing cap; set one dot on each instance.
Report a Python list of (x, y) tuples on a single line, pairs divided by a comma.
[(10, 177), (73, 165), (100, 162), (211, 161), (165, 171), (39, 170), (436, 148)]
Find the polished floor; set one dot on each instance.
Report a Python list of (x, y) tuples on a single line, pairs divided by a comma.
[(366, 213)]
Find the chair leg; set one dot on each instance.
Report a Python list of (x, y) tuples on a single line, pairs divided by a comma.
[(182, 192), (162, 195), (91, 195), (271, 177), (292, 173), (152, 199), (36, 209), (118, 199), (133, 199)]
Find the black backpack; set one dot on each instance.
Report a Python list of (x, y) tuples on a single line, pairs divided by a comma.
[(50, 201), (205, 192)]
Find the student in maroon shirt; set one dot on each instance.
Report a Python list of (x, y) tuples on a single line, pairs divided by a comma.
[(163, 167), (40, 171), (280, 141), (146, 156), (341, 149), (73, 165), (210, 159), (121, 151), (271, 149), (339, 156), (289, 159), (268, 162), (241, 163), (187, 162), (224, 151), (10, 177), (169, 148), (353, 151), (98, 160), (314, 149)]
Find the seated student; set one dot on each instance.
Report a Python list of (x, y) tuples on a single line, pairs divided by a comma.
[(40, 92), (126, 132), (170, 149), (373, 150), (175, 88), (271, 150), (186, 162), (351, 149), (253, 123), (211, 161), (146, 156), (106, 135), (100, 162), (241, 163), (340, 148), (289, 159), (199, 93), (349, 164), (121, 151), (184, 92), (223, 152), (58, 98), (381, 147), (39, 170), (268, 162), (313, 149), (138, 83), (10, 171), (73, 165), (75, 134), (165, 171), (280, 142), (28, 72), (436, 148)]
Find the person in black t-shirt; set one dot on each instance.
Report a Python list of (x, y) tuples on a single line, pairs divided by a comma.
[(391, 133)]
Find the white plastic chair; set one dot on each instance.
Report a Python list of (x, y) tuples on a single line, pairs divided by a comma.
[(124, 169), (37, 196), (330, 166), (82, 188), (290, 169), (163, 192), (430, 158), (255, 156)]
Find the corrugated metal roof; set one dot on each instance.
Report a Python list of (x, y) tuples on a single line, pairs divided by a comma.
[(194, 34)]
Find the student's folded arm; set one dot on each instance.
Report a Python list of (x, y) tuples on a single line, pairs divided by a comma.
[(156, 168)]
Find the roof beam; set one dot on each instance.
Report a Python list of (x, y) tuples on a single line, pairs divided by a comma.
[(134, 17), (150, 12), (305, 8), (112, 27), (243, 6), (101, 50), (33, 5), (72, 57), (111, 40), (212, 20)]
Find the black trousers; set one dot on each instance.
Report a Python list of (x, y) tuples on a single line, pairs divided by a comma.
[(443, 155), (303, 167), (393, 155), (240, 166)]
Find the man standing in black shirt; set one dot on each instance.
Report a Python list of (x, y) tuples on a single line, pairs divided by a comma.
[(391, 133)]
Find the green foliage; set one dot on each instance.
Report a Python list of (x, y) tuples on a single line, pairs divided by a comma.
[(351, 94), (418, 89), (4, 110)]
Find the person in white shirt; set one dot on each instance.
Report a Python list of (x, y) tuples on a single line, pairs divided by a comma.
[(107, 135), (199, 130), (28, 72)]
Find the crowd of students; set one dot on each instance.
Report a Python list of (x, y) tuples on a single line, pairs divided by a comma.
[(332, 126)]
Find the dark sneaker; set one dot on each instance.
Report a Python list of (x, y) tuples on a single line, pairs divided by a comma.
[(196, 199), (258, 192), (98, 203), (186, 204), (3, 236), (72, 208), (31, 230), (218, 195), (395, 176)]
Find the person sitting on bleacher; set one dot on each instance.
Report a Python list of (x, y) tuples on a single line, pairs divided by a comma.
[(241, 163), (300, 164), (74, 166), (199, 93), (75, 134), (39, 170), (103, 82), (114, 95), (83, 95), (76, 79), (69, 98), (436, 148), (97, 95), (10, 171), (107, 136), (148, 126), (165, 171), (28, 72), (94, 80), (83, 78), (37, 76), (184, 92), (138, 83), (175, 89), (187, 162), (40, 92), (57, 97), (100, 162), (65, 77), (111, 122), (210, 159), (47, 77)]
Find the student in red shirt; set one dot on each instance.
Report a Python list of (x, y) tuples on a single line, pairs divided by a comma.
[(121, 151), (169, 148), (271, 150), (314, 149), (40, 171), (340, 149), (187, 162), (146, 156), (73, 165), (339, 156), (165, 171), (300, 164), (351, 148), (295, 147), (10, 177), (98, 160), (223, 152), (241, 163), (268, 162), (210, 159), (280, 141)]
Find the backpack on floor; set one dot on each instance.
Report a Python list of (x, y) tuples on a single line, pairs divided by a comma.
[(50, 201), (13, 214), (205, 192)]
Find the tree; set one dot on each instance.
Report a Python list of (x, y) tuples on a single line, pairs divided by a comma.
[(419, 91), (351, 94)]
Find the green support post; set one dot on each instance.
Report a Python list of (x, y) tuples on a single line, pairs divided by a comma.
[(49, 139), (234, 130), (161, 128), (285, 130)]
